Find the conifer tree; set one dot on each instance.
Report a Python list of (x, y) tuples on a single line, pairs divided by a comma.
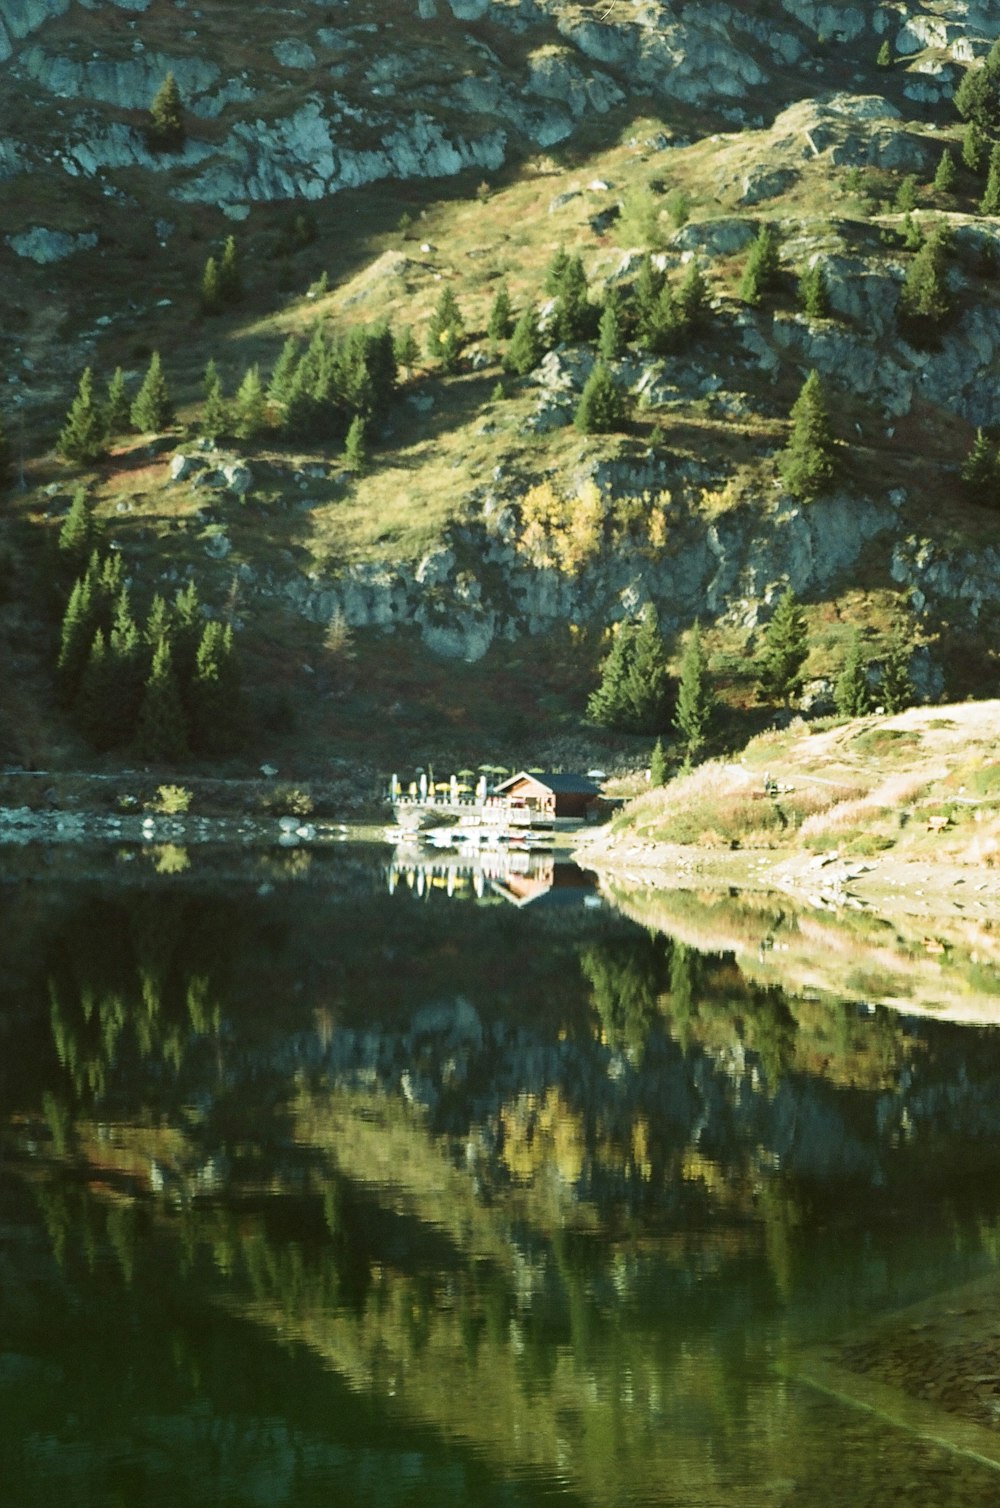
[(186, 632), (925, 302), (913, 236), (974, 147), (896, 686), (611, 330), (159, 624), (230, 273), (83, 434), (946, 173), (152, 409), (692, 297), (127, 665), (784, 650), (94, 705), (249, 407), (658, 765), (634, 690), (813, 294), (695, 697), (884, 56), (446, 331), (990, 202), (807, 464), (283, 372), (166, 132), (117, 404), (162, 727), (527, 344), (602, 408), (981, 472), (211, 292), (977, 98), (79, 533), (215, 410), (851, 693), (906, 194), (356, 445), (501, 318), (574, 317), (216, 696), (406, 350), (555, 271), (660, 324), (76, 635), (762, 272)]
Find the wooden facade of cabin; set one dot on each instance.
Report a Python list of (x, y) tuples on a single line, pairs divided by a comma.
[(549, 796)]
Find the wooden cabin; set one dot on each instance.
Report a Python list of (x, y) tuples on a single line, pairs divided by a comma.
[(549, 796)]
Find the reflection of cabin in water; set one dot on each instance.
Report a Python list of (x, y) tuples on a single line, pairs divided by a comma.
[(548, 796)]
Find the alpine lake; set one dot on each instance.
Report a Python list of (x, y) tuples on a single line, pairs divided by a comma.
[(336, 1176)]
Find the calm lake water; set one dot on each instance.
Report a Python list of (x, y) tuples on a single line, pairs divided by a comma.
[(330, 1181)]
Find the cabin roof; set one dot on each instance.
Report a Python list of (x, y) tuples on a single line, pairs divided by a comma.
[(560, 785)]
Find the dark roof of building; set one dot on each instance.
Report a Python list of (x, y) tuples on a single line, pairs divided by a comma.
[(561, 785)]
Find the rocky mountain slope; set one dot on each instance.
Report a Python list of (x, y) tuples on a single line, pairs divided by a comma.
[(506, 128)]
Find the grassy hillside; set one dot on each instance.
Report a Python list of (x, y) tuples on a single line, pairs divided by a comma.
[(458, 451)]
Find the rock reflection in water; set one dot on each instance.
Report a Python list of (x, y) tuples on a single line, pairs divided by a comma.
[(547, 1190)]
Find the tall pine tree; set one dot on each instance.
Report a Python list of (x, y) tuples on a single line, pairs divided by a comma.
[(152, 409), (807, 463), (784, 650), (166, 131), (695, 697), (851, 692), (83, 434), (162, 728)]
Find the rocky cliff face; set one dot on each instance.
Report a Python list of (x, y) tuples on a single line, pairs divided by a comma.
[(328, 97)]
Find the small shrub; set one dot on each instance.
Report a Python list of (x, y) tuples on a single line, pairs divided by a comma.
[(171, 801), (287, 801)]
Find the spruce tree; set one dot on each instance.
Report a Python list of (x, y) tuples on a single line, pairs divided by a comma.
[(896, 687), (211, 292), (974, 148), (216, 696), (186, 632), (634, 689), (658, 765), (127, 665), (166, 131), (990, 202), (230, 273), (812, 293), (661, 326), (159, 624), (527, 344), (152, 409), (925, 302), (906, 194), (406, 349), (946, 173), (249, 406), (76, 636), (695, 697), (977, 98), (692, 297), (784, 650), (79, 533), (806, 465), (574, 317), (602, 408), (981, 472), (117, 404), (884, 56), (501, 318), (555, 271), (851, 693), (215, 409), (611, 330), (762, 272), (93, 708), (446, 331), (355, 445), (83, 434), (161, 733)]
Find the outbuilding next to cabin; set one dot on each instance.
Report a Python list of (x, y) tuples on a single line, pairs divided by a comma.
[(548, 795)]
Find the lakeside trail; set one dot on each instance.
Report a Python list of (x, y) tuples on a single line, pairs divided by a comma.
[(905, 817), (888, 885)]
